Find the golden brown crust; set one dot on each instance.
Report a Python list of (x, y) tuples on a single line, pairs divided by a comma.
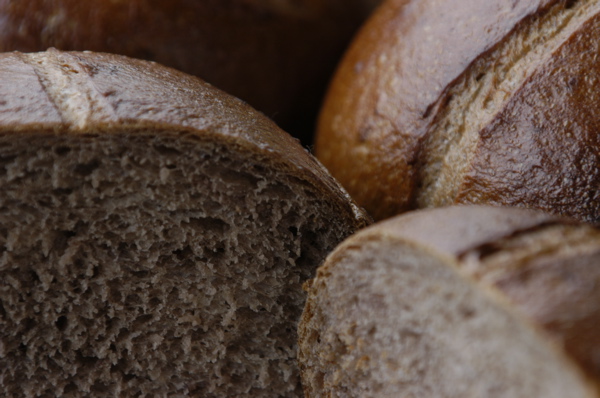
[(164, 98), (277, 55), (397, 79), (556, 148)]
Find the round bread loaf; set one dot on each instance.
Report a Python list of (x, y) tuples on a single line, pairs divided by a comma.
[(456, 302), (469, 101), (154, 233), (275, 54)]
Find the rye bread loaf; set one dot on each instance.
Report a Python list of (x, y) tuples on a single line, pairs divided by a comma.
[(469, 101), (276, 54), (154, 233), (456, 302)]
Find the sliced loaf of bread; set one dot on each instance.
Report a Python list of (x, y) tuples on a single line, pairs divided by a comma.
[(457, 302), (154, 233)]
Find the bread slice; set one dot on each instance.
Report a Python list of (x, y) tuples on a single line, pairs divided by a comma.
[(456, 302), (154, 233), (469, 101)]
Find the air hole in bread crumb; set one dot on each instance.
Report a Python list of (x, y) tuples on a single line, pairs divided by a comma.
[(100, 387), (61, 323), (62, 150), (62, 191), (87, 168), (34, 277), (154, 302), (69, 388), (140, 274), (165, 150), (144, 319)]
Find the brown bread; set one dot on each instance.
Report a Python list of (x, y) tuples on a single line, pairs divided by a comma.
[(275, 54), (469, 101), (456, 302), (154, 233)]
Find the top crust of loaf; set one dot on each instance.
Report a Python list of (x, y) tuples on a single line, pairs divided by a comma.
[(275, 54), (85, 92), (384, 94), (423, 76), (458, 229)]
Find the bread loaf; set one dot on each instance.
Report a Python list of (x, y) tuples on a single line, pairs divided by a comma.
[(456, 302), (154, 233), (275, 54), (469, 101)]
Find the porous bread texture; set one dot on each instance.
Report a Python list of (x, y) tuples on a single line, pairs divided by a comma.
[(141, 262), (484, 90), (390, 316)]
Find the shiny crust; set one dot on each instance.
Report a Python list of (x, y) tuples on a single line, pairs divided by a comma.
[(397, 79), (549, 134), (119, 93), (277, 55)]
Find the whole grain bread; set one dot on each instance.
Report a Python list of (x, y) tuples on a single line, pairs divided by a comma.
[(154, 233), (469, 101), (456, 302)]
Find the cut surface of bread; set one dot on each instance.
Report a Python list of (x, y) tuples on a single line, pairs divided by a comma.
[(154, 233), (455, 302), (469, 101)]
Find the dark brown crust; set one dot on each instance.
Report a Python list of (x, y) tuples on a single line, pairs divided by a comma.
[(276, 57), (144, 94), (394, 81), (556, 148)]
